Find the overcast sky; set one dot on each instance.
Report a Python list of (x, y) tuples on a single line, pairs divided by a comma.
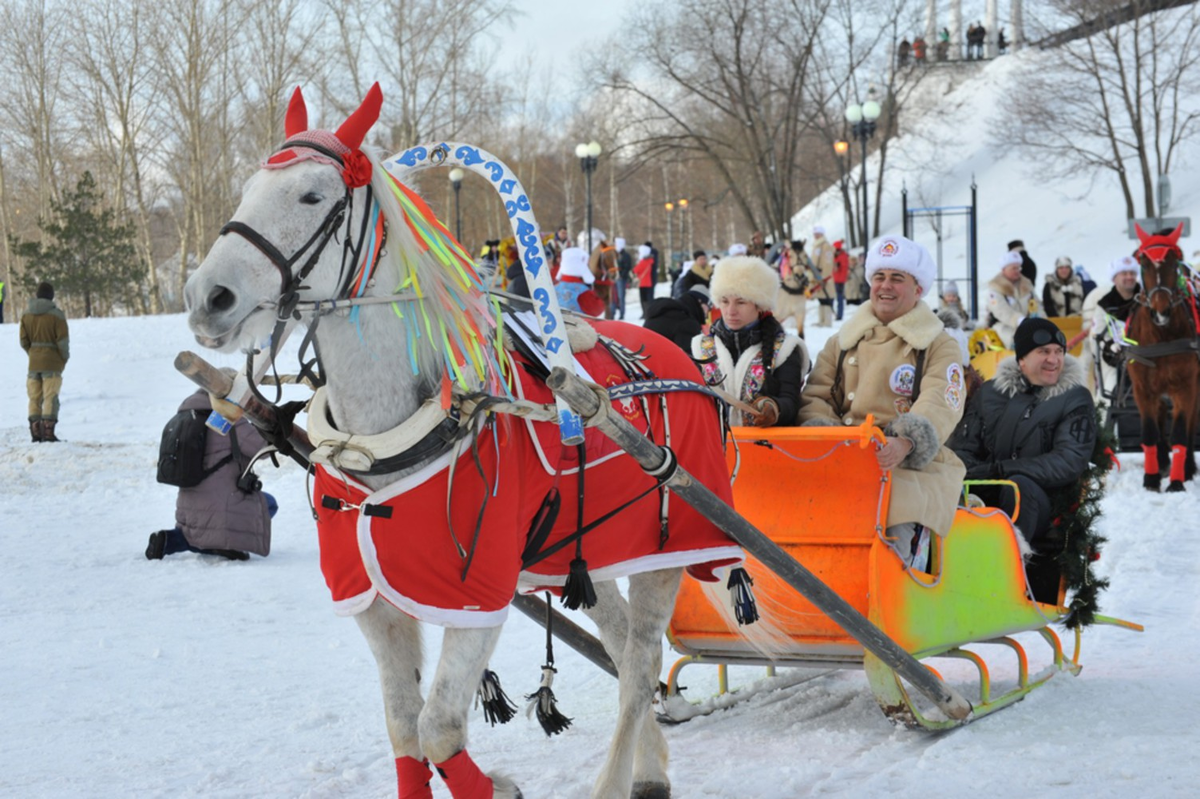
[(557, 30)]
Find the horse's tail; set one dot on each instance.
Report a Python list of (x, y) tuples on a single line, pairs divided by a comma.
[(766, 634)]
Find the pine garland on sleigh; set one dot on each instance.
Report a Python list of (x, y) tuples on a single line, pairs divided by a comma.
[(1081, 541)]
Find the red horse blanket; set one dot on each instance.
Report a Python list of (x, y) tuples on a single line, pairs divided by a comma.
[(414, 561)]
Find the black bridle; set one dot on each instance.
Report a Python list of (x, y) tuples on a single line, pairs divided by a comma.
[(1174, 295), (292, 282)]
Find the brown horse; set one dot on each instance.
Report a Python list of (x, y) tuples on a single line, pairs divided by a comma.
[(1165, 359), (603, 265)]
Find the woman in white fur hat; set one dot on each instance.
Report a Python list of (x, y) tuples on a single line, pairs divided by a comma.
[(1011, 297), (731, 354)]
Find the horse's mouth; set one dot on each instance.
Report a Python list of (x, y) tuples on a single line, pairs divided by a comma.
[(226, 341)]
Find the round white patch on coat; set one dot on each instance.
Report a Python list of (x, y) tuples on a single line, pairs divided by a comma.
[(903, 380)]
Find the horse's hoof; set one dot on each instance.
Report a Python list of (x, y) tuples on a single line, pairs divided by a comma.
[(1152, 482), (503, 787), (650, 790), (1175, 487)]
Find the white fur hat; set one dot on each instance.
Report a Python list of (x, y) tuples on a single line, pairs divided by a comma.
[(747, 277), (1125, 263), (903, 255), (818, 230), (1011, 257), (643, 251), (737, 249), (620, 243), (574, 263)]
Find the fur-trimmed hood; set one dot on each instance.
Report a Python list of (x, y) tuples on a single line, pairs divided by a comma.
[(1009, 381), (919, 327)]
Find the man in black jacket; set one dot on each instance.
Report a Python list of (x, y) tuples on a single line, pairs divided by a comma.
[(1033, 424)]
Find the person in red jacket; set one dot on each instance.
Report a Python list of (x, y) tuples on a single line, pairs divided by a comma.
[(841, 272), (645, 276)]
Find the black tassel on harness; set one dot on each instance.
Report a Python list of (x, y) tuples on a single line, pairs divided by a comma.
[(740, 590), (578, 591), (543, 702), (497, 707)]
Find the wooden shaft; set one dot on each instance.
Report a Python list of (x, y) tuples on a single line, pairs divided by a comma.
[(652, 458), (262, 416)]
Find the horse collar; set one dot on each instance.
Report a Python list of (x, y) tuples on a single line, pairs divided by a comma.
[(429, 432)]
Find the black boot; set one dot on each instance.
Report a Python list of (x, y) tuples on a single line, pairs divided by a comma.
[(48, 430), (35, 430), (228, 554), (158, 542)]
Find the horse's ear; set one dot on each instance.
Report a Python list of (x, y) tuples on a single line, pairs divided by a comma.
[(1141, 234), (296, 121), (354, 130), (1174, 237)]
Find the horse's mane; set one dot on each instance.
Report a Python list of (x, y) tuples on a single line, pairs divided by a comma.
[(452, 328)]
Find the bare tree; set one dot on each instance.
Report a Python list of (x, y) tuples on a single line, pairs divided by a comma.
[(431, 54), (195, 56), (112, 72), (1121, 100)]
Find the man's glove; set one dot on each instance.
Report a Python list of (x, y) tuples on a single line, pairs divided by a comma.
[(768, 412), (1110, 351)]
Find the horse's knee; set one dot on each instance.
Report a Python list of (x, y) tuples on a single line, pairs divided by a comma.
[(443, 732)]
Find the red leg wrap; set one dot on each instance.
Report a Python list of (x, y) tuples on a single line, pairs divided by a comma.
[(412, 777), (463, 777), (1178, 460), (1151, 459)]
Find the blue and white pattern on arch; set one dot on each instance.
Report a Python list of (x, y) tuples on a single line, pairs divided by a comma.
[(529, 240)]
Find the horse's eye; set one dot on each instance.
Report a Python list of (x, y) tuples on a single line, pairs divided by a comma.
[(312, 198)]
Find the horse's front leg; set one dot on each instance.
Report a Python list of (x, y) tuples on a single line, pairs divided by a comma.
[(611, 616), (651, 601), (443, 721), (1149, 405), (395, 640), (1183, 433)]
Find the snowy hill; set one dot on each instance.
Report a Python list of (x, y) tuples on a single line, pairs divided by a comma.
[(192, 677), (947, 142)]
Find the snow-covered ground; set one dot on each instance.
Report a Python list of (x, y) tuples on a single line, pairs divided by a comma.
[(197, 677)]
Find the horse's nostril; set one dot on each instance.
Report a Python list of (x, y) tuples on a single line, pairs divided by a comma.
[(221, 299)]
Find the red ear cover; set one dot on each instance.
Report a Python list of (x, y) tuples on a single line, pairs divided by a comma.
[(354, 130), (296, 120)]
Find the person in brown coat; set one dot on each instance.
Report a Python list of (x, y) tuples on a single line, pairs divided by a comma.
[(44, 336), (894, 359), (228, 514)]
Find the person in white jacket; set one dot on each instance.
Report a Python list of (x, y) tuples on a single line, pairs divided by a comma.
[(1011, 298)]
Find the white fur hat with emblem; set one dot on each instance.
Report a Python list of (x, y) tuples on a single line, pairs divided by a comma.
[(903, 255), (1125, 263), (574, 263), (747, 277)]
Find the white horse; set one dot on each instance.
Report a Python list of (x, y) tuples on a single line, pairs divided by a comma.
[(311, 227)]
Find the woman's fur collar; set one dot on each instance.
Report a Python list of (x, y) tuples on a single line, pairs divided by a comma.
[(1002, 285), (1009, 381), (918, 328)]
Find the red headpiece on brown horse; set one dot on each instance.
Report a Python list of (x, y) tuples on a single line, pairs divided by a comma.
[(1157, 247), (341, 149)]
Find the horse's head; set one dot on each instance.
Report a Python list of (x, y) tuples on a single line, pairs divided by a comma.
[(1159, 256), (292, 210)]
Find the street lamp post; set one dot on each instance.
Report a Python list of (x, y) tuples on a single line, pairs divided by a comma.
[(862, 127), (842, 147), (456, 179), (669, 206), (589, 157), (685, 241)]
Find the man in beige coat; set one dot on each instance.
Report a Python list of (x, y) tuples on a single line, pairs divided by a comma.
[(822, 257), (894, 359), (1011, 298)]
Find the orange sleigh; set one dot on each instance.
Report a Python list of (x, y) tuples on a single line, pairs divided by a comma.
[(820, 494)]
